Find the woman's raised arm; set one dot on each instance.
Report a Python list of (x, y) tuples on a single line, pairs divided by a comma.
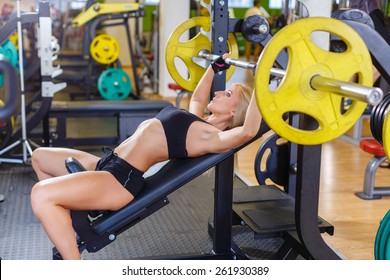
[(201, 95)]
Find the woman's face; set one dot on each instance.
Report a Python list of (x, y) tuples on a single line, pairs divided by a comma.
[(224, 101)]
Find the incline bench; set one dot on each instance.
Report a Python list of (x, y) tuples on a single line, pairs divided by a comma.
[(95, 234), (129, 114)]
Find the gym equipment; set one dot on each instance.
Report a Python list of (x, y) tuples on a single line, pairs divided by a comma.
[(47, 71), (98, 9), (14, 39), (105, 49), (378, 120), (386, 133), (273, 153), (255, 29), (114, 84), (128, 113), (6, 128), (310, 73), (187, 50), (378, 147), (306, 238), (98, 16), (354, 15), (8, 50), (372, 146), (7, 108), (307, 93), (382, 239)]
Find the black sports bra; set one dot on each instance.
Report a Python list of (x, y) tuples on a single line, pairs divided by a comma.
[(176, 123)]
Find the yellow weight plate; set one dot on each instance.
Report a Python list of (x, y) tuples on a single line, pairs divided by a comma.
[(104, 49), (306, 59), (386, 134), (187, 50), (14, 39)]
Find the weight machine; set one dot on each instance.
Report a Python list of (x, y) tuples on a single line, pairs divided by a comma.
[(47, 53), (98, 16)]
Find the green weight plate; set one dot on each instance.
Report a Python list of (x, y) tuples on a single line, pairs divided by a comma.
[(378, 239), (114, 84), (8, 49), (384, 238), (376, 245), (386, 248)]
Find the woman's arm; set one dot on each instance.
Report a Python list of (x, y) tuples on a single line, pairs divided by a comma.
[(201, 95)]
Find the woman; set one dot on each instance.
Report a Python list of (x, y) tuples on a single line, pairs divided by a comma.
[(112, 182)]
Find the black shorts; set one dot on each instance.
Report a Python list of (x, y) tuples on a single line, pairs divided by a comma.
[(126, 174)]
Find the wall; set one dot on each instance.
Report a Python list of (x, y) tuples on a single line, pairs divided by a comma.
[(170, 18)]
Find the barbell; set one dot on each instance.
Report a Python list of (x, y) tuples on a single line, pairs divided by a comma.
[(370, 95), (296, 94), (315, 82)]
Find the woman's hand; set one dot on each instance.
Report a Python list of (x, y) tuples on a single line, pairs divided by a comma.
[(219, 64)]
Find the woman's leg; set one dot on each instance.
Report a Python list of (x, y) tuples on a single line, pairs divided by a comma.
[(51, 199), (50, 162)]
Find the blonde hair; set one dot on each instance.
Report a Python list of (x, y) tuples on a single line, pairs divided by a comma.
[(242, 105)]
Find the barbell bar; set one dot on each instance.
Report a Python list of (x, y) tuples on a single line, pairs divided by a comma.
[(370, 95)]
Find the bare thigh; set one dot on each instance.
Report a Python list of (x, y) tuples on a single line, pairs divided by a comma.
[(52, 160), (89, 190)]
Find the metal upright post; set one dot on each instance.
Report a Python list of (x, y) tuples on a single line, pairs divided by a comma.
[(306, 204), (223, 199), (223, 195), (219, 37)]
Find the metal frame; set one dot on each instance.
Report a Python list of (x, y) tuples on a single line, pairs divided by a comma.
[(308, 161)]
